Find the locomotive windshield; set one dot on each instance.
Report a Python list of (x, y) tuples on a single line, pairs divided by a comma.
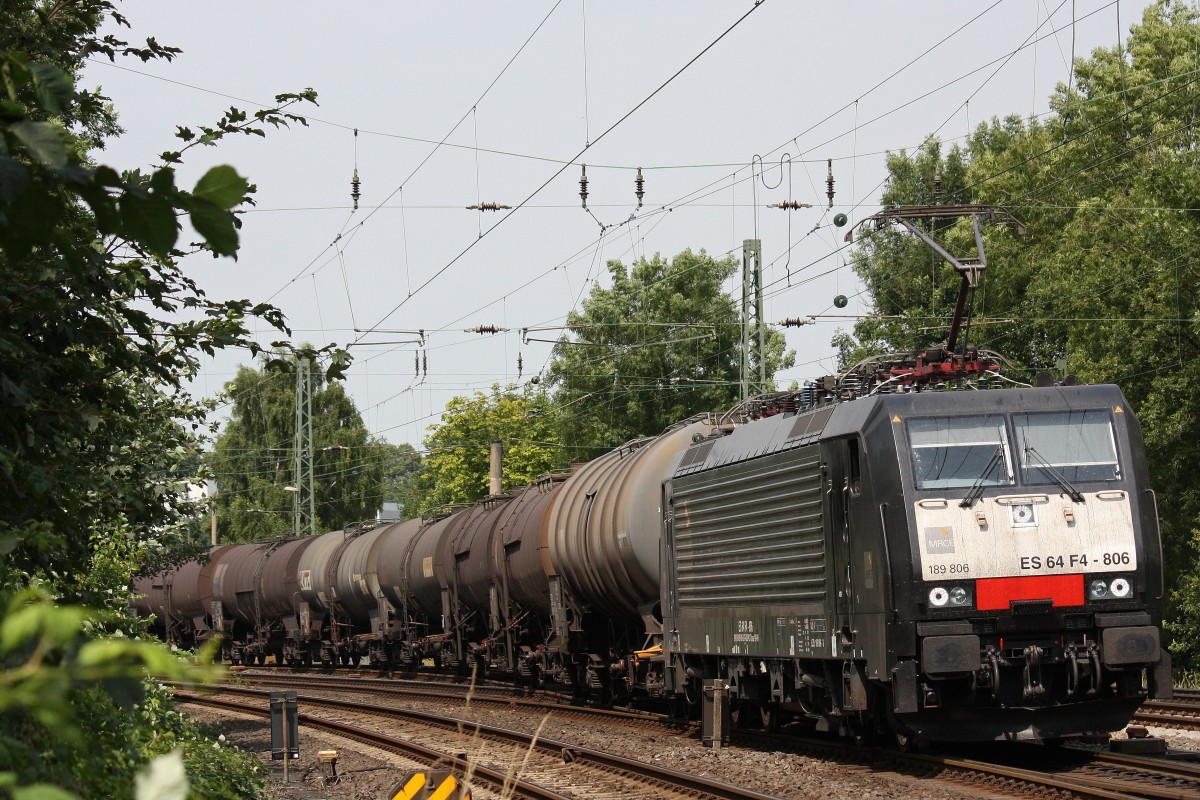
[(1077, 445), (959, 452)]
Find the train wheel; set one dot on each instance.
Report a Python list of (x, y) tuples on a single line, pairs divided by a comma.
[(756, 717), (772, 717), (905, 742), (864, 732)]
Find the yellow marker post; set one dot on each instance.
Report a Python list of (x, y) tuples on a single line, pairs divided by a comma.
[(443, 791), (410, 786), (439, 785)]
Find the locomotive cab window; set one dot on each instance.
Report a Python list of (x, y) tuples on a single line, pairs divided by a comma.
[(1079, 446), (959, 452)]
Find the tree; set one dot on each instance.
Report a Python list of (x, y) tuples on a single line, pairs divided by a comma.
[(401, 465), (456, 469), (254, 457), (658, 346), (94, 351), (1105, 281), (100, 329)]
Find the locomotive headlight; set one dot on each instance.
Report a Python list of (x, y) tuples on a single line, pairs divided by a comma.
[(959, 596), (1120, 587), (1098, 590), (938, 597)]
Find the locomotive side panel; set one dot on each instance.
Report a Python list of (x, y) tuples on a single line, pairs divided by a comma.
[(749, 557)]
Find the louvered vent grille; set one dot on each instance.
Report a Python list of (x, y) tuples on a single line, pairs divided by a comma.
[(751, 533), (808, 427), (695, 457)]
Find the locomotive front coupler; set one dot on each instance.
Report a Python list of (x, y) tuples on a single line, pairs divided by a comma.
[(1034, 689), (1083, 669), (989, 675)]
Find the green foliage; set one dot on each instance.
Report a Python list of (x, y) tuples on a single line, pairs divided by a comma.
[(77, 712), (100, 330), (657, 347), (93, 422), (253, 459), (401, 465), (456, 469), (1105, 279)]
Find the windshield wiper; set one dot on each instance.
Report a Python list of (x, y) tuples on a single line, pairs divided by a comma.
[(1055, 476), (977, 487)]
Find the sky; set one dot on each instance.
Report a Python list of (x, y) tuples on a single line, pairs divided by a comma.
[(726, 107)]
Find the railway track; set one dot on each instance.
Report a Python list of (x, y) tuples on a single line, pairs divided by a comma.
[(491, 694), (1020, 771), (534, 766), (1182, 712)]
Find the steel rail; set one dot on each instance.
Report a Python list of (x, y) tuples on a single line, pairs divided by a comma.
[(690, 782), (451, 692), (418, 751)]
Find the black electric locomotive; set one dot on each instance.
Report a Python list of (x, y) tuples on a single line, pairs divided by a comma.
[(945, 565)]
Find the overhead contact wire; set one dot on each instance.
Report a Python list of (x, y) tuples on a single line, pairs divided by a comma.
[(547, 182)]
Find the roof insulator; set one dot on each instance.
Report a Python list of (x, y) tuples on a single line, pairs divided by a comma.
[(829, 181), (355, 183)]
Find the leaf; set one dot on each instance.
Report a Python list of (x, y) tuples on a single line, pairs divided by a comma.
[(13, 179), (54, 87), (149, 220), (15, 72), (11, 111), (215, 224), (20, 627), (221, 185), (41, 791), (44, 142)]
